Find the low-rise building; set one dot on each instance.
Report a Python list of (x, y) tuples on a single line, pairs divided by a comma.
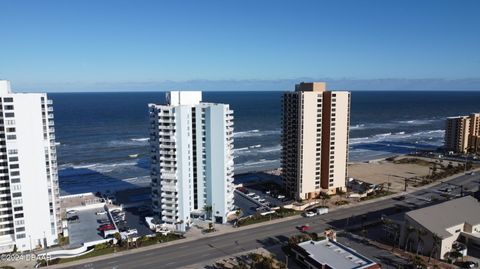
[(434, 229), (329, 254)]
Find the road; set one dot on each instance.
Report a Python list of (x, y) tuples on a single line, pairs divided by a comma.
[(182, 255)]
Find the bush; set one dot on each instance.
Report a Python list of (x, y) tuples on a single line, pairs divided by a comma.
[(342, 202), (101, 246)]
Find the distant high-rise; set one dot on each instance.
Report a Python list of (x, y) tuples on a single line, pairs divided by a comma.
[(29, 194), (315, 140), (462, 133), (191, 160)]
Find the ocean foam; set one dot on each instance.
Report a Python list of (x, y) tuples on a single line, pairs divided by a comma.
[(140, 139), (255, 133)]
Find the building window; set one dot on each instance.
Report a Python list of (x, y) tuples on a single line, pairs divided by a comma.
[(20, 236)]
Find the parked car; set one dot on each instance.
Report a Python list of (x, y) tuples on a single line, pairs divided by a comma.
[(242, 189), (468, 264), (256, 197), (73, 218), (103, 212), (131, 231), (105, 227), (261, 200), (251, 194), (103, 221), (304, 228), (72, 211), (280, 196), (447, 190), (309, 214)]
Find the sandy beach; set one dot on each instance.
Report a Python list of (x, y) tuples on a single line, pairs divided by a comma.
[(393, 171)]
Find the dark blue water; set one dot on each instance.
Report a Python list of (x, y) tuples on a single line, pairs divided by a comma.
[(98, 131)]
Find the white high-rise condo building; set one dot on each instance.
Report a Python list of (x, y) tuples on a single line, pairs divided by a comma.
[(315, 140), (191, 159), (29, 194)]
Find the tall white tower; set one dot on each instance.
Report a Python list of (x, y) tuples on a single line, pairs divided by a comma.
[(29, 194), (191, 159)]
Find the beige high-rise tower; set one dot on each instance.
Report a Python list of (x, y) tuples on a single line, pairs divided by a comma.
[(462, 133), (315, 140)]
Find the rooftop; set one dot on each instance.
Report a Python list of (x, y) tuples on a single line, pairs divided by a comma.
[(438, 218), (176, 98), (334, 254), (310, 87)]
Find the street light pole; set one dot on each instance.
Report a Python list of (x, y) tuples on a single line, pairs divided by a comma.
[(45, 246)]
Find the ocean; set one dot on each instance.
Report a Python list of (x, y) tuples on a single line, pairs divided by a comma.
[(96, 132)]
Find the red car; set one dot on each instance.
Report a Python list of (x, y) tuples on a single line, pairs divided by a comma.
[(105, 227), (304, 228)]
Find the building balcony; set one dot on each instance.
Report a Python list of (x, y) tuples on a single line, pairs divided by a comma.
[(170, 207), (168, 159), (49, 102), (167, 140), (169, 127), (171, 195), (168, 175), (168, 213), (50, 109), (50, 116), (168, 219), (51, 123), (167, 186), (167, 152), (51, 130)]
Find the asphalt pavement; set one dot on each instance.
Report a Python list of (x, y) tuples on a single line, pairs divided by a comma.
[(183, 254)]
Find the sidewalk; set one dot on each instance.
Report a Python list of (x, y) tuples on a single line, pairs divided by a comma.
[(193, 235)]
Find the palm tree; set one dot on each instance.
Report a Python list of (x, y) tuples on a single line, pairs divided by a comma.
[(208, 210), (324, 197), (435, 246), (393, 229), (409, 230), (420, 233)]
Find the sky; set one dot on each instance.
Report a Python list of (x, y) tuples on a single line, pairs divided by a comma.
[(92, 45)]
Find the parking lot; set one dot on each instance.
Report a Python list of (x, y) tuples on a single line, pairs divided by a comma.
[(252, 200), (135, 220), (85, 228)]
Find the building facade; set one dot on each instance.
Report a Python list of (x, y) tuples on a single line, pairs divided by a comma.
[(29, 193), (441, 225), (191, 159), (315, 133), (462, 133), (329, 254)]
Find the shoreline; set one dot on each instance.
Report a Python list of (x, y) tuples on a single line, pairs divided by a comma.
[(242, 177)]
